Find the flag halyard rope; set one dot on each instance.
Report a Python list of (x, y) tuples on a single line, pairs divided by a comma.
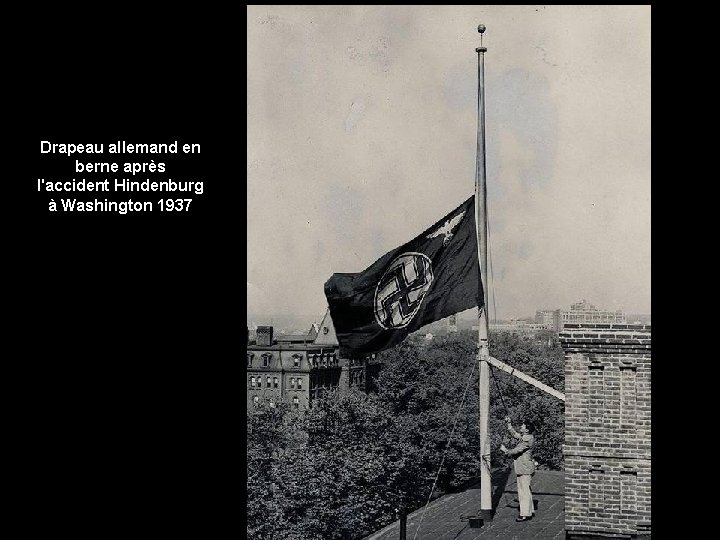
[(491, 275), (447, 447), (497, 385)]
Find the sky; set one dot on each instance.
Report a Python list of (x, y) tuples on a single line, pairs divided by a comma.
[(362, 127)]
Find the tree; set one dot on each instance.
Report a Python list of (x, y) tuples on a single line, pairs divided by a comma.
[(271, 433), (340, 469), (533, 356)]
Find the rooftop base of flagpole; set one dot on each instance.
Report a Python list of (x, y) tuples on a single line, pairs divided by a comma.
[(482, 517)]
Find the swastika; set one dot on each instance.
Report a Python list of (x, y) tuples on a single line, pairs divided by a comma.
[(401, 290)]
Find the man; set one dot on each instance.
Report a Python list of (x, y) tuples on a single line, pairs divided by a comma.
[(524, 466)]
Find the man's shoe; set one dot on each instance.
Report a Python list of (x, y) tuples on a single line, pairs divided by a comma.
[(522, 518)]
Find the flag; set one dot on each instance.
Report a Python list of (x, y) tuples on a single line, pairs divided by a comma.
[(434, 275)]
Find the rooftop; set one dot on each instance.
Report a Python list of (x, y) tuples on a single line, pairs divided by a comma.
[(285, 346), (446, 517), (294, 338)]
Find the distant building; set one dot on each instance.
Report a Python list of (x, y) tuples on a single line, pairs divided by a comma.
[(584, 313), (298, 368), (550, 318), (519, 327), (516, 327), (579, 313)]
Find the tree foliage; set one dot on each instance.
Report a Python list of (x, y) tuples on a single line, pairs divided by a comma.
[(540, 357), (341, 469)]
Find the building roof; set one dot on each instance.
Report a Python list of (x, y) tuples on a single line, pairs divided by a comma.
[(293, 338), (281, 346), (313, 332), (446, 517), (326, 335)]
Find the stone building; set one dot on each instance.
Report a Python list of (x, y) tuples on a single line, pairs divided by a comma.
[(298, 368), (585, 313), (607, 430), (551, 318), (579, 313)]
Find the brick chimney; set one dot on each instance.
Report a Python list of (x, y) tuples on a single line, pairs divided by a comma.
[(264, 336), (607, 429)]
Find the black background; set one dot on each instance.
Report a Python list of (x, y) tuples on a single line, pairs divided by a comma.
[(131, 396), (124, 389)]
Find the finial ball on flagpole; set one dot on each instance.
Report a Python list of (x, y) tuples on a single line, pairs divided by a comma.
[(481, 28)]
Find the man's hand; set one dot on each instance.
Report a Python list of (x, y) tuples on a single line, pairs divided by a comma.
[(503, 449)]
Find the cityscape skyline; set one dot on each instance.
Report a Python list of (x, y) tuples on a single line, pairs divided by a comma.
[(301, 322)]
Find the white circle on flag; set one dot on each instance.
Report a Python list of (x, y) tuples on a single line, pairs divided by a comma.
[(401, 290)]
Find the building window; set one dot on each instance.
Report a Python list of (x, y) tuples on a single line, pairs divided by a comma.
[(266, 359), (275, 382), (249, 359), (292, 382), (296, 403), (252, 382), (296, 360), (256, 401), (268, 382), (299, 383)]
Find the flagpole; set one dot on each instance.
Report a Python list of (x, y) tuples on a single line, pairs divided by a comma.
[(483, 327)]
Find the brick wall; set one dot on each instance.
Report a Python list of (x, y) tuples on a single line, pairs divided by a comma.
[(607, 429)]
